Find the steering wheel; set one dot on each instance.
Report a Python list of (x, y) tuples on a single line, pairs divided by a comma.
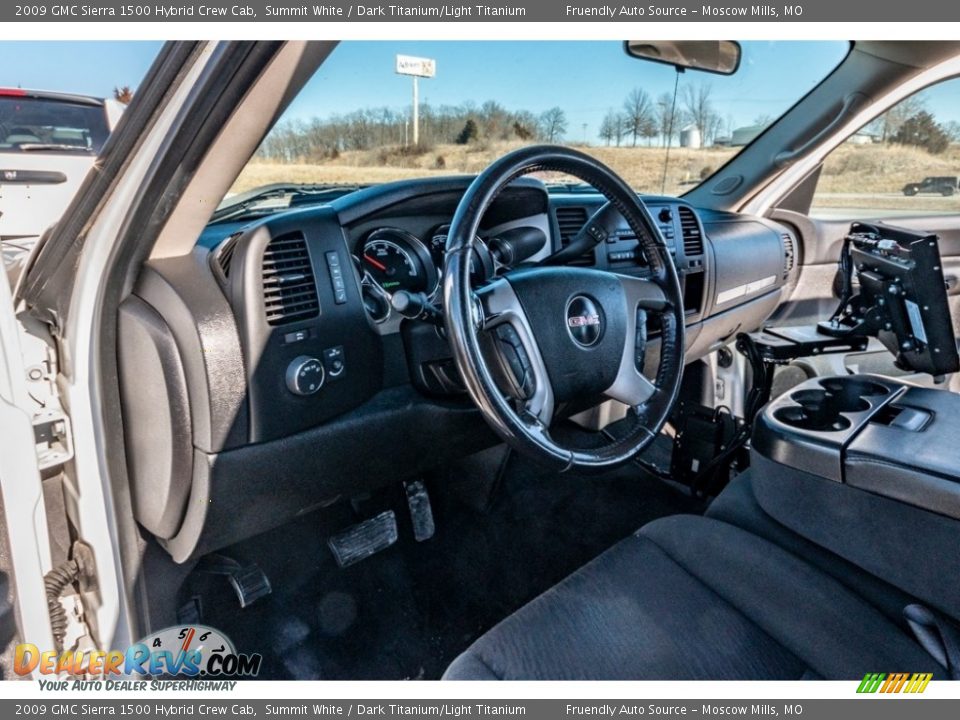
[(543, 339)]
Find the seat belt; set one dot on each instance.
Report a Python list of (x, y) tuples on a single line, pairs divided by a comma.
[(937, 635)]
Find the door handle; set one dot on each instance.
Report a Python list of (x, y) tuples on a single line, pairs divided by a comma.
[(852, 104)]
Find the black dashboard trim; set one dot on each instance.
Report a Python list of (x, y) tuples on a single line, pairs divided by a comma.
[(391, 437)]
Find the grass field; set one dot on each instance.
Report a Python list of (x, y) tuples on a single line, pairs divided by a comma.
[(854, 175), (642, 167)]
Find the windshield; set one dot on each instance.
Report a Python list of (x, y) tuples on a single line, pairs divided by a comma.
[(353, 124), (32, 124)]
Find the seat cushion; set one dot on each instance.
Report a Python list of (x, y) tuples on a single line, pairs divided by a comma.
[(691, 597), (737, 505)]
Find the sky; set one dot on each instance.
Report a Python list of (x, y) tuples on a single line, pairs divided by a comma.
[(86, 68), (585, 78)]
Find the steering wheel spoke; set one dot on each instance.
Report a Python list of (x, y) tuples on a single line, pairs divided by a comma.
[(631, 387), (642, 296), (644, 293), (511, 339)]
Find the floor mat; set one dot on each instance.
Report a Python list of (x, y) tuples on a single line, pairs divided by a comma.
[(409, 610)]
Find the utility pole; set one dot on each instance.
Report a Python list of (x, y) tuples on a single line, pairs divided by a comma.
[(416, 111)]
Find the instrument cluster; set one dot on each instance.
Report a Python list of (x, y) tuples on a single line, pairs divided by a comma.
[(391, 259)]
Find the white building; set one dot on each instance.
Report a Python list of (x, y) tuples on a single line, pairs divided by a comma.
[(690, 137), (862, 138), (745, 135)]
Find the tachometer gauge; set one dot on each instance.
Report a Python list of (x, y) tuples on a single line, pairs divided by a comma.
[(481, 261), (397, 260)]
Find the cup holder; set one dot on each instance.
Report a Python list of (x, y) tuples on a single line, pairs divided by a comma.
[(800, 417), (853, 389), (827, 409)]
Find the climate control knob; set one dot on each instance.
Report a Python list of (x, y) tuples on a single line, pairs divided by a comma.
[(305, 375)]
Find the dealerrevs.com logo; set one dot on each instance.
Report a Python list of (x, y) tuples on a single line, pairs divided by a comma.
[(189, 651), (890, 683)]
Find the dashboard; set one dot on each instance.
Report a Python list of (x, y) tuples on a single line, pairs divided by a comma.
[(269, 360)]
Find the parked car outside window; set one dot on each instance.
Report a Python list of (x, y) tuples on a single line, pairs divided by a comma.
[(48, 143)]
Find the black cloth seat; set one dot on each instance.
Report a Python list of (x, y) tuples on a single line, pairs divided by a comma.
[(690, 597)]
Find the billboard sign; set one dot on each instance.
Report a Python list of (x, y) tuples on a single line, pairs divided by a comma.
[(416, 66)]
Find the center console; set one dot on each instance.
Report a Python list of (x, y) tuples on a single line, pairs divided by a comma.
[(872, 433), (869, 468)]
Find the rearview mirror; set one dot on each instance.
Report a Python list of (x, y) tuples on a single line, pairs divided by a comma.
[(721, 57)]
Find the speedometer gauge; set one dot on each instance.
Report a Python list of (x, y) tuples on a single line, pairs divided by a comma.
[(397, 260)]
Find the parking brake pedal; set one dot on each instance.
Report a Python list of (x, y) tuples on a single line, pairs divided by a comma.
[(247, 580), (364, 539), (421, 513)]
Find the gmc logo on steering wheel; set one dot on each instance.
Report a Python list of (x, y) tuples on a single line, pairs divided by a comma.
[(583, 320)]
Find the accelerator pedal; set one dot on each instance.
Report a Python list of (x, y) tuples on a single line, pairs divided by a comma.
[(248, 581), (364, 539), (421, 513)]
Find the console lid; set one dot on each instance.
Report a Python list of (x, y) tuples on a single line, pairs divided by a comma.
[(910, 451)]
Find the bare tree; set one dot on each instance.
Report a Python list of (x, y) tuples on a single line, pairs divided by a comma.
[(495, 121), (553, 124), (698, 108), (606, 127), (614, 128), (888, 124), (620, 129), (666, 122), (952, 129), (714, 127), (639, 115)]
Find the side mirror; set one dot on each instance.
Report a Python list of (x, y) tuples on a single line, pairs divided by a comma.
[(721, 57)]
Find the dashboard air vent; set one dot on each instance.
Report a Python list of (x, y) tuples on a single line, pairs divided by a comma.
[(289, 288), (789, 254), (570, 219), (225, 253), (690, 230)]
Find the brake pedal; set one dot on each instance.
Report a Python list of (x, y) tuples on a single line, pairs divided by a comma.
[(421, 512), (248, 581), (364, 539)]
